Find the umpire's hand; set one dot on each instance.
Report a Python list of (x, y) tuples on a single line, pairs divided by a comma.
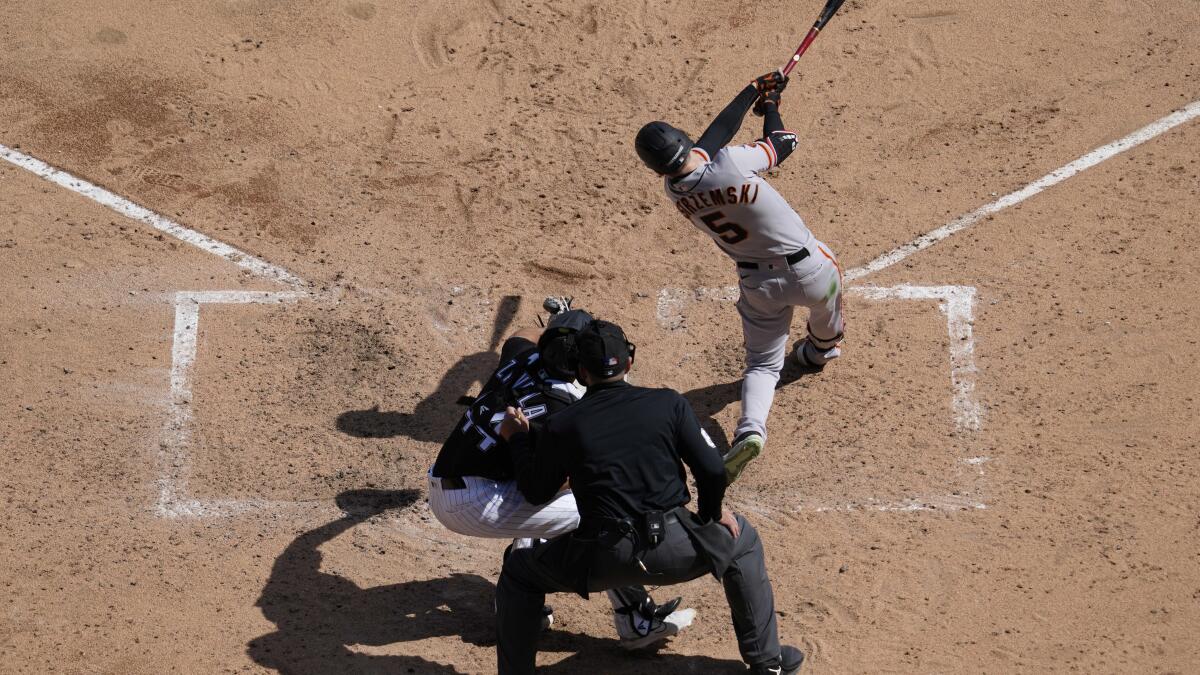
[(730, 522), (514, 422)]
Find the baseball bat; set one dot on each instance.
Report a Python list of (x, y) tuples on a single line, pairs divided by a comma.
[(505, 314), (831, 8)]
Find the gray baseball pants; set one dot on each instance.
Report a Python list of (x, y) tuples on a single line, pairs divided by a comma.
[(610, 562), (768, 298)]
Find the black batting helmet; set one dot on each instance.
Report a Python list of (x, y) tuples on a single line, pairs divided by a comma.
[(557, 343), (662, 147)]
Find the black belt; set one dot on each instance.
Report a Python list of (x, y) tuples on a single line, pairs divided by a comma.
[(452, 483), (791, 260), (598, 525), (601, 521)]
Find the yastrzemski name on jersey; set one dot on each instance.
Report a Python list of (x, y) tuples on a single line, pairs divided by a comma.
[(688, 205), (475, 447), (727, 200)]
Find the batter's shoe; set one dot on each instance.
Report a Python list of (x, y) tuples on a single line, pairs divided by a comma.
[(788, 663), (642, 627), (809, 356), (745, 448)]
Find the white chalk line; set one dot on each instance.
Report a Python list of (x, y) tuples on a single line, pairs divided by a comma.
[(174, 458), (256, 266), (957, 303), (1104, 152), (670, 304), (950, 502), (173, 499)]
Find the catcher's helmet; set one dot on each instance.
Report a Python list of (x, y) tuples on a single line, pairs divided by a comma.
[(557, 342), (662, 147)]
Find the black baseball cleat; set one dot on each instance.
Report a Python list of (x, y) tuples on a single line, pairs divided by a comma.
[(665, 610), (787, 663)]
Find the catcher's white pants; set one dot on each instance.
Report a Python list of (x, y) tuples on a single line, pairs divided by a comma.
[(766, 305), (496, 509)]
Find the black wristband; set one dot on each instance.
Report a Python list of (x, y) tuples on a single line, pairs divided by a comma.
[(772, 122)]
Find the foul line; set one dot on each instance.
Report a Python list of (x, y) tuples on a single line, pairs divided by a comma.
[(256, 266), (1190, 112)]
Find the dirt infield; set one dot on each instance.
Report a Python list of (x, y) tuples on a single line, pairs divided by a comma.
[(207, 469)]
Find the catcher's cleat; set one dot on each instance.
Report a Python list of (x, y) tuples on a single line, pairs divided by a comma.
[(787, 663), (809, 356), (557, 304), (637, 629), (745, 448)]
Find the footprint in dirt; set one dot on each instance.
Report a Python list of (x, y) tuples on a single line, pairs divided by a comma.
[(361, 10), (438, 38), (111, 36)]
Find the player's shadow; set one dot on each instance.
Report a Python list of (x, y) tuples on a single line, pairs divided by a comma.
[(325, 623), (322, 620), (591, 654), (711, 400), (434, 416)]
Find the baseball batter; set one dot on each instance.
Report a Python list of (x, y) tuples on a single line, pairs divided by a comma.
[(472, 486), (779, 263)]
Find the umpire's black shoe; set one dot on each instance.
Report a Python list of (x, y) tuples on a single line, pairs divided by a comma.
[(787, 663)]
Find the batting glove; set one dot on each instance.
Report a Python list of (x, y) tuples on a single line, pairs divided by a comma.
[(767, 102), (772, 81)]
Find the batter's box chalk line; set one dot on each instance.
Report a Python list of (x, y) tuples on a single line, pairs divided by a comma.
[(956, 303), (173, 498)]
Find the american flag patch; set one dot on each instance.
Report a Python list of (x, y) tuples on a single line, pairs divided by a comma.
[(612, 361)]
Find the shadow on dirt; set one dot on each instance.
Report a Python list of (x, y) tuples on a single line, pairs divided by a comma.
[(320, 617), (709, 401), (435, 415), (326, 623)]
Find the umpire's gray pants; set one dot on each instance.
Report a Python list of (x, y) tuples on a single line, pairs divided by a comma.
[(529, 574), (766, 304)]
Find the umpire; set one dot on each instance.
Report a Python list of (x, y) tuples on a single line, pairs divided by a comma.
[(623, 449)]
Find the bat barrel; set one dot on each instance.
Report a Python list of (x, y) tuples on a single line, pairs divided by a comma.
[(827, 13)]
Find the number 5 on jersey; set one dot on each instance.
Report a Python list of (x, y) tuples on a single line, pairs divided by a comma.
[(730, 233)]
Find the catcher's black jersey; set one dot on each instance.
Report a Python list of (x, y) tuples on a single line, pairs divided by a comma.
[(475, 447)]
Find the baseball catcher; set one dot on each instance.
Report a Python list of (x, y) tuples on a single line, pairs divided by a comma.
[(472, 486), (779, 263)]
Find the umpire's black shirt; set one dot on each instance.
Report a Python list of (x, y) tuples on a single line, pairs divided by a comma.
[(623, 448)]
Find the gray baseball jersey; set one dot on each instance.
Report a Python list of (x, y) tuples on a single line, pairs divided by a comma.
[(727, 200)]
